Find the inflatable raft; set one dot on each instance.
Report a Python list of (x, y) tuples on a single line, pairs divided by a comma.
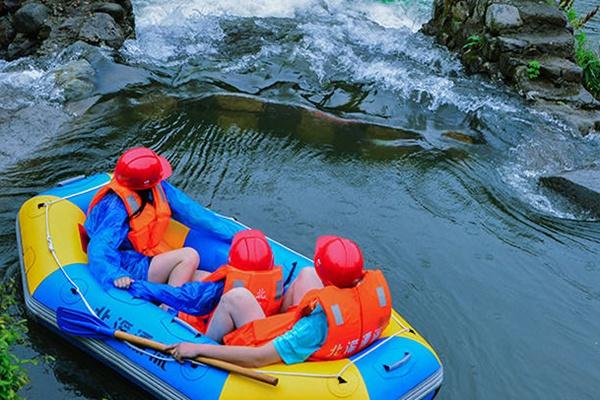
[(400, 365)]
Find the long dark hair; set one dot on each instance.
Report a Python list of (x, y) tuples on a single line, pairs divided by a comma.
[(145, 197)]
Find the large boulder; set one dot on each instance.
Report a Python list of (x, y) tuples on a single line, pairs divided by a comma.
[(101, 28), (580, 186), (30, 18), (502, 18)]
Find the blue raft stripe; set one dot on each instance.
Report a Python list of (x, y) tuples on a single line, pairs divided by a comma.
[(80, 185), (421, 365), (121, 311)]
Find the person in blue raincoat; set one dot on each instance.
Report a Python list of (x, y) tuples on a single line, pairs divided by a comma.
[(128, 218)]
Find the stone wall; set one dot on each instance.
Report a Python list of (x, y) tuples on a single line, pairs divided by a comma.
[(511, 40), (47, 26)]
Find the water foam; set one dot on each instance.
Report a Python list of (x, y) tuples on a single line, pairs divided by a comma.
[(22, 83), (30, 108)]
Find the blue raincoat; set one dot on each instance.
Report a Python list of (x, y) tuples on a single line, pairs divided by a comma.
[(196, 298), (112, 256)]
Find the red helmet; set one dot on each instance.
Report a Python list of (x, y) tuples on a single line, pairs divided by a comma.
[(338, 261), (140, 168), (250, 251)]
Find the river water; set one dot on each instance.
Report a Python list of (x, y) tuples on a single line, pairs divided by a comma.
[(501, 276)]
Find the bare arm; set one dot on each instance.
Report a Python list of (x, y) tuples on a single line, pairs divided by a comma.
[(245, 356)]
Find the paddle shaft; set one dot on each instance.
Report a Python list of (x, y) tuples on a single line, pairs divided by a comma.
[(224, 365)]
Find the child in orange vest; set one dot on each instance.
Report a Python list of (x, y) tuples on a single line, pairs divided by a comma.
[(127, 220), (330, 322), (250, 266)]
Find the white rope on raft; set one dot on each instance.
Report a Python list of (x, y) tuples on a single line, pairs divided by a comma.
[(171, 359), (53, 251)]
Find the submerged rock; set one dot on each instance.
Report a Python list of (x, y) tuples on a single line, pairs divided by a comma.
[(462, 137), (30, 18), (89, 70), (581, 186), (76, 80), (239, 103), (101, 28)]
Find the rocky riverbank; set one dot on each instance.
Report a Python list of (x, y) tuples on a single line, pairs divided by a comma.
[(528, 44), (42, 27)]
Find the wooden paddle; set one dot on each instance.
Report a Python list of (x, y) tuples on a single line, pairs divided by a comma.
[(82, 324)]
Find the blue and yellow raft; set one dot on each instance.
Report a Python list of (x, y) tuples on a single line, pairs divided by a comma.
[(400, 365)]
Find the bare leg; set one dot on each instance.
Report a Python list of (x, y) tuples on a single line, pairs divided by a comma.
[(236, 308), (306, 280), (199, 275), (174, 267)]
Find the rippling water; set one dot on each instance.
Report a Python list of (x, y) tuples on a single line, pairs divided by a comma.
[(303, 118)]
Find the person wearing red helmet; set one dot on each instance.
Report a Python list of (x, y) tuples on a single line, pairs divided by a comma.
[(128, 218), (249, 272), (335, 321)]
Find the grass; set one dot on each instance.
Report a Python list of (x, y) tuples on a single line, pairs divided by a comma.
[(473, 42), (533, 69), (586, 58), (12, 331), (589, 61)]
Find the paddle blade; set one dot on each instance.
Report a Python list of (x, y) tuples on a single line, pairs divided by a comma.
[(79, 323)]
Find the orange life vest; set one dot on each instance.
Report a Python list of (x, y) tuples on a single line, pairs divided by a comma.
[(355, 318), (147, 229), (266, 286)]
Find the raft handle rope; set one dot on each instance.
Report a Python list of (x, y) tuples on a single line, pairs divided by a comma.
[(397, 364), (337, 376), (50, 243)]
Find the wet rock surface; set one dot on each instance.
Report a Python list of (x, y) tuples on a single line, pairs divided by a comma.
[(46, 27), (87, 71), (580, 186), (100, 29), (527, 44)]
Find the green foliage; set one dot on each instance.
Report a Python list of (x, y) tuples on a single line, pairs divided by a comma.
[(589, 61), (533, 69), (585, 57), (572, 17), (12, 329), (473, 42)]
